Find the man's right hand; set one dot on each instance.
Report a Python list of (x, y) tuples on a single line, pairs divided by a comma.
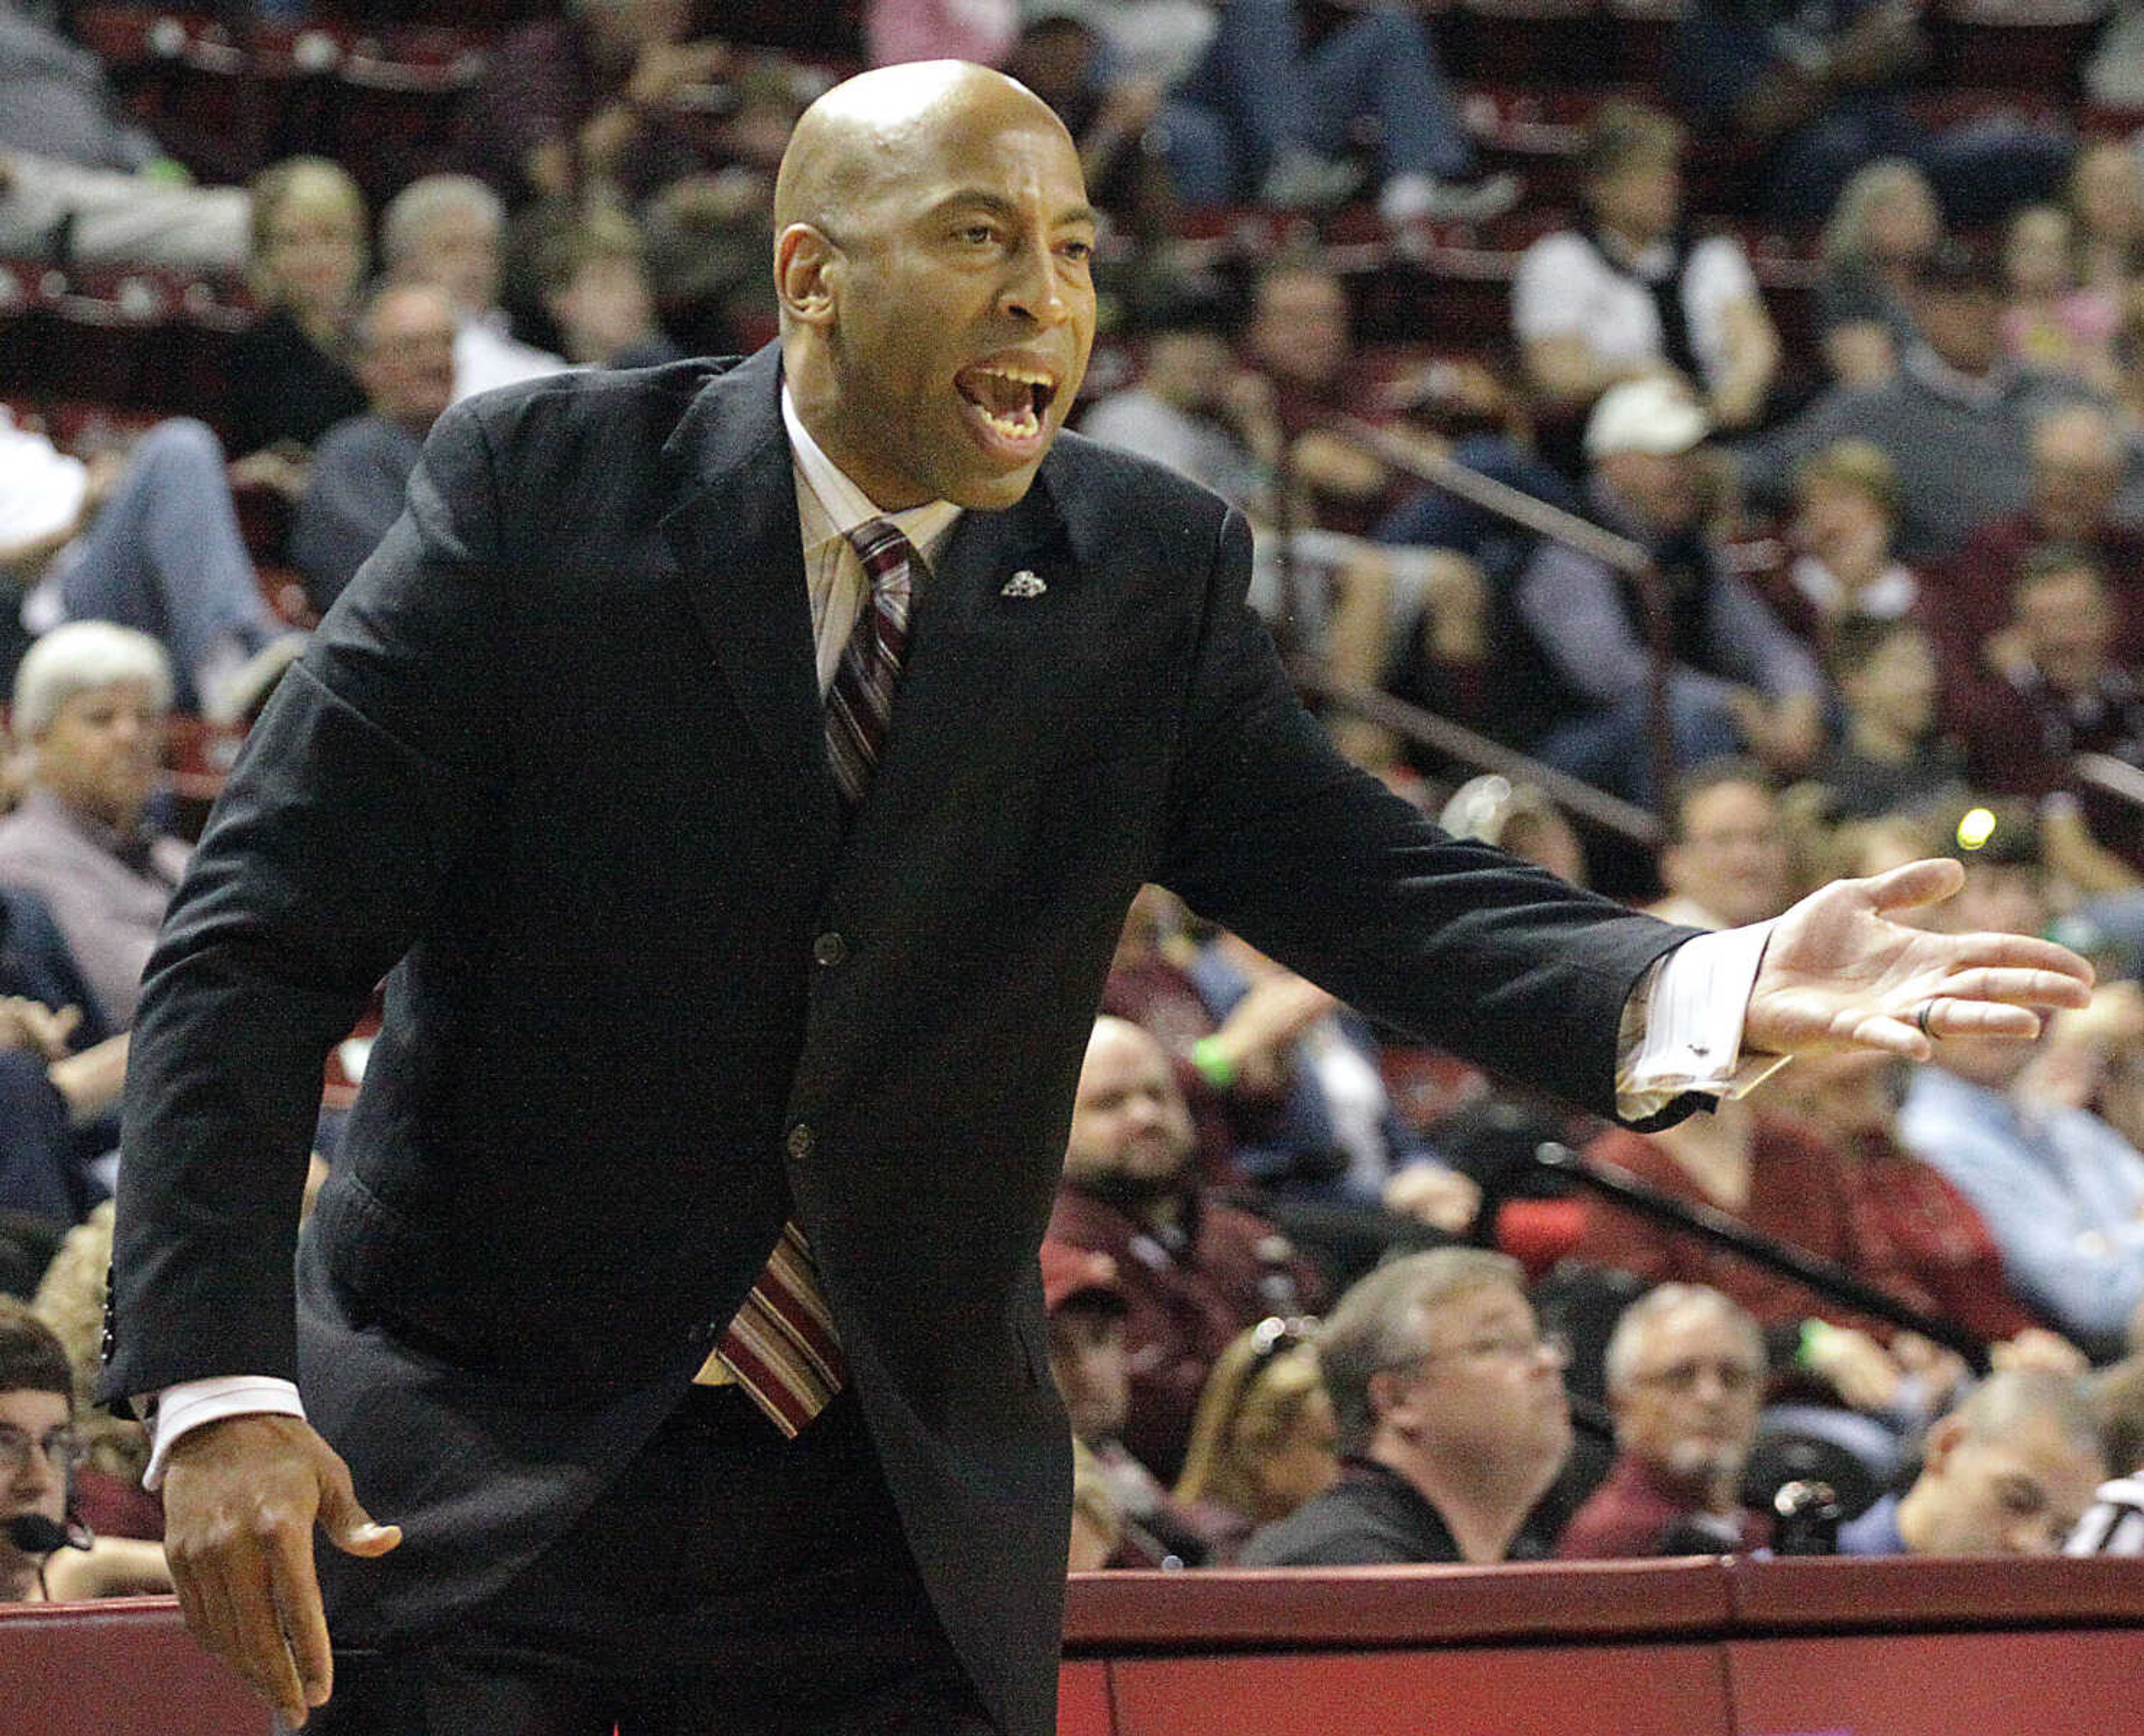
[(241, 1498)]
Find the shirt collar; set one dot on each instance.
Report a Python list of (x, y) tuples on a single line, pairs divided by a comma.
[(1983, 392), (830, 505), (1887, 597)]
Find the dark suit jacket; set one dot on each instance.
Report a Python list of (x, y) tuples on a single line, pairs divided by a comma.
[(556, 759)]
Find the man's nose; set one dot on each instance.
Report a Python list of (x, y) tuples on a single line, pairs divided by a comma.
[(1034, 286)]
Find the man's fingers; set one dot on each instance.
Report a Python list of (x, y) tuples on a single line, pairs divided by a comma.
[(1950, 1017), (297, 1593), (349, 1527), (2016, 985), (266, 1656), (234, 1602), (1892, 1037), (1928, 881)]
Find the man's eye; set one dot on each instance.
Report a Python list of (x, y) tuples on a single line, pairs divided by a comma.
[(978, 233), (1081, 252)]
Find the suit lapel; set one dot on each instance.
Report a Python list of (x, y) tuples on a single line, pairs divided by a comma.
[(734, 533)]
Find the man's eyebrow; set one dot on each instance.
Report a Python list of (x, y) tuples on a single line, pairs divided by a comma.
[(979, 199)]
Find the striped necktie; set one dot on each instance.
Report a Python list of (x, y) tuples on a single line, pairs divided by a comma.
[(782, 1346)]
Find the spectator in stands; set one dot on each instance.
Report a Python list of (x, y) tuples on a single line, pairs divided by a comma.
[(1087, 1361), (2115, 1524), (1783, 1179), (289, 373), (593, 276), (2061, 691), (1631, 291), (1686, 1372), (60, 1072), (1197, 410), (1450, 1415), (1300, 337), (1845, 518), (1913, 1234), (1336, 1138), (81, 184), (1284, 82), (2009, 1472), (1885, 223), (1262, 1441), (1519, 818), (2079, 464), (405, 346), (1725, 861), (89, 701), (1234, 1073), (1116, 119), (1889, 757), (1956, 418), (444, 230), (39, 1454), (1739, 680), (2051, 320), (1195, 1270), (2061, 1191), (149, 539), (896, 31), (2106, 202), (583, 104), (108, 1495), (1816, 92)]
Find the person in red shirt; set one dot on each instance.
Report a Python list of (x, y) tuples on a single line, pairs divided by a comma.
[(1194, 1270), (1685, 1374)]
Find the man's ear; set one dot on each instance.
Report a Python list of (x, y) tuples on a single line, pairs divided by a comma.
[(1384, 1393), (807, 274), (1940, 1442)]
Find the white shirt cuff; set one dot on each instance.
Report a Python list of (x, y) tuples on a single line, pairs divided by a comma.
[(1682, 1027), (191, 1403)]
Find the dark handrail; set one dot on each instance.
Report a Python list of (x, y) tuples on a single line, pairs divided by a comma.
[(1576, 797), (1426, 464), (1827, 1278)]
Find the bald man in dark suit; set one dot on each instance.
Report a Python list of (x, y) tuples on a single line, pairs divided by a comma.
[(668, 972)]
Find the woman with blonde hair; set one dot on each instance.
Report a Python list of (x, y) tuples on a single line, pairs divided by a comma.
[(1886, 221), (1262, 1441), (290, 377)]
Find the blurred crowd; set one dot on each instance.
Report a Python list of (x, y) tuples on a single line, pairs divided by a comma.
[(1806, 597)]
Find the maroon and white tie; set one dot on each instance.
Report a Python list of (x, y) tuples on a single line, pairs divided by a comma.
[(781, 1347)]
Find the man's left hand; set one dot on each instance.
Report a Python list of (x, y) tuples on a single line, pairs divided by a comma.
[(1839, 974)]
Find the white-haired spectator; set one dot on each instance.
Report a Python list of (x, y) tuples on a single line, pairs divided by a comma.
[(90, 702), (1685, 1374), (445, 230)]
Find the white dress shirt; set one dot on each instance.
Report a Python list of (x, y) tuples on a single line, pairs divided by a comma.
[(1682, 1027)]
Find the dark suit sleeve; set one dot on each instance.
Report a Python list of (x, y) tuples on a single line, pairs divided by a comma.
[(1271, 833), (359, 788)]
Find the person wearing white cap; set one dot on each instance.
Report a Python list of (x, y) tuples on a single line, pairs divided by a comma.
[(1739, 682)]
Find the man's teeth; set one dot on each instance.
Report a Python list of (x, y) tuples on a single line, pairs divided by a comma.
[(1018, 425)]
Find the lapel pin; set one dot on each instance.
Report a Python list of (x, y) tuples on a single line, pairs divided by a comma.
[(1024, 583)]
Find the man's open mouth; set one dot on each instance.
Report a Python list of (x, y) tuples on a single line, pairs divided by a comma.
[(1010, 400)]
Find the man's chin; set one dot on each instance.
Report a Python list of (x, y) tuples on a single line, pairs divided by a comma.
[(994, 493)]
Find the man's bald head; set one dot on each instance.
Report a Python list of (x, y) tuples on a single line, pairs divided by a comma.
[(933, 256), (868, 133)]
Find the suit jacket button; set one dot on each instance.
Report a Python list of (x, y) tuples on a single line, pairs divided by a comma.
[(829, 948), (799, 1142)]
